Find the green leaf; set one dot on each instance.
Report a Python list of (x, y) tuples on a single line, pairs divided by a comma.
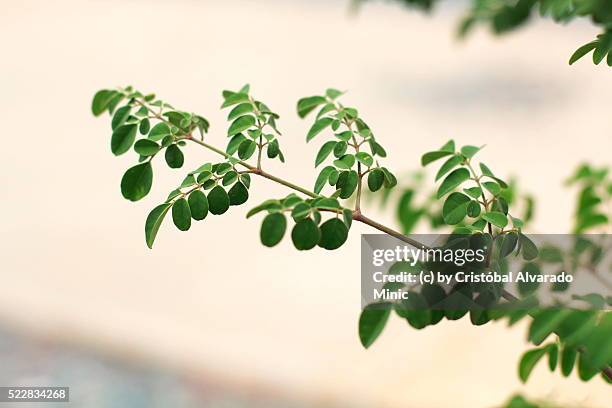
[(232, 98), (376, 178), (318, 127), (246, 180), (474, 192), (364, 158), (301, 210), (273, 149), (345, 136), (328, 107), (390, 180), (136, 182), (266, 205), (347, 217), (449, 146), (435, 296), (334, 175), (246, 149), (496, 218), (240, 110), (324, 152), (347, 182), (229, 178), (372, 322), (377, 149), (430, 157), (469, 151), (307, 105), (218, 200), (603, 46), (120, 116), (173, 194), (178, 119), (174, 156), (485, 170), (517, 222), (333, 234), (123, 138), (273, 229), (291, 200), (222, 168), (507, 243), (241, 124), (333, 93), (305, 234), (145, 126), (545, 323), (238, 194), (101, 100), (528, 248), (346, 162), (598, 342), (493, 187), (154, 221), (198, 205), (340, 149), (326, 203), (455, 208), (473, 209), (452, 181), (415, 310), (159, 131), (553, 356), (590, 220), (529, 361), (448, 166), (146, 147), (323, 178), (181, 215), (568, 359), (234, 143)]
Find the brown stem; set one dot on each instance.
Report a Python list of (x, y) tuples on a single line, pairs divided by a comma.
[(357, 216)]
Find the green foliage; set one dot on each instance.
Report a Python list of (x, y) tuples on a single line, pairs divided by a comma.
[(504, 16), (218, 200), (475, 205), (595, 197), (273, 229), (347, 131), (485, 200), (305, 234), (154, 221), (253, 126), (519, 401), (198, 205), (181, 214), (579, 335), (309, 230), (136, 182), (372, 322)]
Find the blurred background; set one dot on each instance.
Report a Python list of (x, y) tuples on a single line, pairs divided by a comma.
[(212, 318)]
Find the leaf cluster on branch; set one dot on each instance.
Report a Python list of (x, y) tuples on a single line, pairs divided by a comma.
[(476, 205), (503, 16)]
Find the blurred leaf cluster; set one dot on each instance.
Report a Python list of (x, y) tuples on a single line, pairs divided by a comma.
[(503, 16)]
